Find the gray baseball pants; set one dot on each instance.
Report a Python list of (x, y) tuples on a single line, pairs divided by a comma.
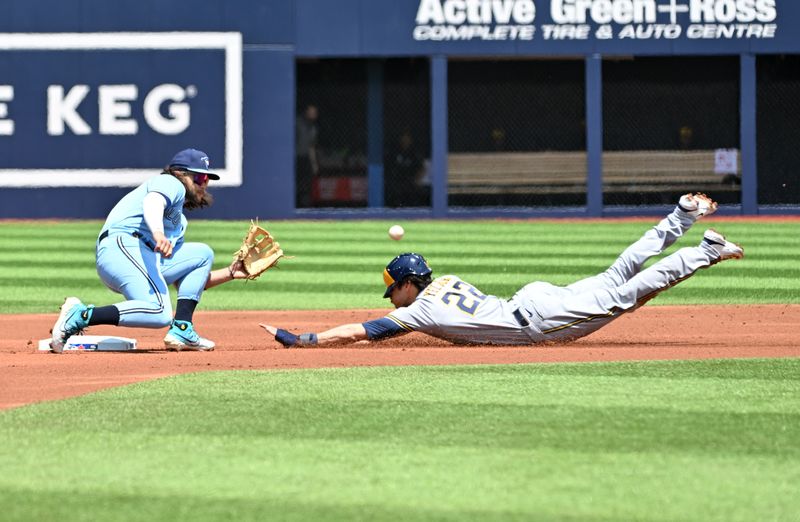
[(567, 313)]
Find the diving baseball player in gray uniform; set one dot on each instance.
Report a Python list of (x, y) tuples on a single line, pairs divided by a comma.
[(452, 309)]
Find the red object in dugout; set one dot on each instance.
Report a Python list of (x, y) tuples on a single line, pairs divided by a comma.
[(339, 188)]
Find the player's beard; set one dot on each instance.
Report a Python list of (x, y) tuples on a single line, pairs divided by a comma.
[(196, 196)]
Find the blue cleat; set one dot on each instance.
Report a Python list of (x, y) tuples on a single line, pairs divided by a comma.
[(181, 336), (72, 320)]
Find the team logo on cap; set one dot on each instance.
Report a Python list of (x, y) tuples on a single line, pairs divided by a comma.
[(204, 159)]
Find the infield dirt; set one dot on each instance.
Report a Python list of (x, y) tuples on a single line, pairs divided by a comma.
[(655, 332)]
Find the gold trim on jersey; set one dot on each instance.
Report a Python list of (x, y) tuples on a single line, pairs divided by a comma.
[(437, 285), (400, 323)]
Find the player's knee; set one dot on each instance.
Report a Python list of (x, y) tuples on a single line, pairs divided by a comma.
[(163, 320), (206, 253)]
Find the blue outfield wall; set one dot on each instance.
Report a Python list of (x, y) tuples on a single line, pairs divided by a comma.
[(95, 96)]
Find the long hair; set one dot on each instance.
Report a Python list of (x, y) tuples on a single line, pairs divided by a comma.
[(421, 282), (194, 200)]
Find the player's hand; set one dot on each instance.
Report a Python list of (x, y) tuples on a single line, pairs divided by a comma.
[(271, 330), (237, 271), (163, 244), (286, 338)]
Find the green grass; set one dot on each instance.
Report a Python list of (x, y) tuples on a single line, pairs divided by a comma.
[(339, 264), (712, 440), (708, 440)]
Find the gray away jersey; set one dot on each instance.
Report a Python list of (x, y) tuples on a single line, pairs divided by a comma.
[(454, 310)]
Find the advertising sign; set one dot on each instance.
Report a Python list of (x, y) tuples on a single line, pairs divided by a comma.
[(111, 109), (559, 20)]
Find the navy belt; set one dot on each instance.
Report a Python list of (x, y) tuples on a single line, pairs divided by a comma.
[(104, 234), (521, 318)]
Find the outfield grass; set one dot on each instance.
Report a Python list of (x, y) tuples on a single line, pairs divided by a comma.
[(712, 440), (706, 440), (339, 264)]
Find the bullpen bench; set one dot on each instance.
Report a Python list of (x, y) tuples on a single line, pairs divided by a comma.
[(508, 176)]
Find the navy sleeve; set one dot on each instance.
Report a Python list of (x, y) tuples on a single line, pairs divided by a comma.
[(382, 328)]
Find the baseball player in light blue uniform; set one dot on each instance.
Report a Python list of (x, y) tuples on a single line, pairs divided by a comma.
[(452, 309), (141, 252)]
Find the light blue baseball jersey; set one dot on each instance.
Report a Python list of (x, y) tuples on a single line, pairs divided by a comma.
[(127, 216), (129, 265), (452, 309)]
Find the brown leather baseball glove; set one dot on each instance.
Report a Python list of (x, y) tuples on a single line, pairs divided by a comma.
[(259, 251)]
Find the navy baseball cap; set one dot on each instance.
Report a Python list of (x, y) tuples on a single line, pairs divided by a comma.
[(193, 160), (402, 266)]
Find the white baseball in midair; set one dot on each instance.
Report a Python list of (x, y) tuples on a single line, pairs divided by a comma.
[(396, 232)]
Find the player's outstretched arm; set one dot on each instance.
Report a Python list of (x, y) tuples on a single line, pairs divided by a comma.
[(222, 275), (346, 333)]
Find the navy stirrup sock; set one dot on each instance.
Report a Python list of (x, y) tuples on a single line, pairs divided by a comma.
[(104, 315), (185, 309)]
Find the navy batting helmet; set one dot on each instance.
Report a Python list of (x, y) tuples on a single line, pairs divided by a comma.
[(402, 266)]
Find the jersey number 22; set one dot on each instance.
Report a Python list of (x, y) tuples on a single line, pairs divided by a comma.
[(467, 298)]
